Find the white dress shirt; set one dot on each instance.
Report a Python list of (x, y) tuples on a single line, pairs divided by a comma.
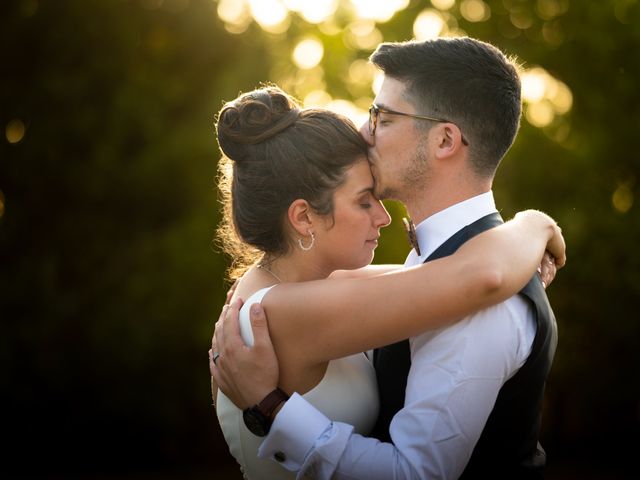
[(454, 380)]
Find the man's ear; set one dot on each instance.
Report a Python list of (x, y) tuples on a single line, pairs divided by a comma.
[(300, 217), (449, 140)]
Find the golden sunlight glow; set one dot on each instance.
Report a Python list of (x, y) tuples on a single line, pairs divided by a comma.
[(534, 84), (428, 24), (622, 198), (561, 98), (378, 10), (330, 27), (538, 86), (271, 15), (521, 19), (300, 82), (540, 114), (361, 72), (349, 110), (549, 9), (15, 130), (316, 98), (475, 10), (235, 14), (308, 53), (443, 4), (363, 35), (315, 11)]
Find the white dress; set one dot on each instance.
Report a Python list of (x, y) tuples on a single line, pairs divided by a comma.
[(347, 393)]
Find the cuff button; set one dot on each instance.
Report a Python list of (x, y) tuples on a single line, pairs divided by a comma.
[(279, 457)]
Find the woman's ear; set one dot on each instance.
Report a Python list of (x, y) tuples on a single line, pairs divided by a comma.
[(301, 217)]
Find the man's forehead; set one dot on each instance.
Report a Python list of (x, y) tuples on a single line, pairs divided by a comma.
[(391, 93)]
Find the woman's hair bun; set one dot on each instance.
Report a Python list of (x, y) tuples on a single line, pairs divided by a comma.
[(253, 118)]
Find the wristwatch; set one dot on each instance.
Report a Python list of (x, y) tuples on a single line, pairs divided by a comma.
[(258, 419)]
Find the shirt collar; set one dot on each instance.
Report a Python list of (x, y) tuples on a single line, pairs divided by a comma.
[(436, 229)]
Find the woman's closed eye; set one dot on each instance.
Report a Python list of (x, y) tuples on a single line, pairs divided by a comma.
[(366, 201)]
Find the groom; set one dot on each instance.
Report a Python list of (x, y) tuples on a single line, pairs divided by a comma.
[(463, 401)]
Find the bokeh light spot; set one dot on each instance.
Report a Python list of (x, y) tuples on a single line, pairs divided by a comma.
[(622, 198), (271, 15), (235, 14), (308, 53), (349, 110), (522, 20), (540, 87), (363, 35), (378, 10), (443, 4), (15, 131), (361, 72), (561, 98), (553, 33), (549, 9), (428, 24), (540, 114), (315, 11), (475, 10), (534, 83), (1, 204), (317, 98)]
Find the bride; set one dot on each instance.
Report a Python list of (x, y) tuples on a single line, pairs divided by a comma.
[(301, 216)]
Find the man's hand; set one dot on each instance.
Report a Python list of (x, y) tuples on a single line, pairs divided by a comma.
[(244, 374), (214, 385)]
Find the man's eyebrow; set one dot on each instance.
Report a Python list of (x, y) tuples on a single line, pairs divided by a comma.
[(383, 106)]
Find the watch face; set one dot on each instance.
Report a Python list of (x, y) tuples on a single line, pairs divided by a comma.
[(257, 423)]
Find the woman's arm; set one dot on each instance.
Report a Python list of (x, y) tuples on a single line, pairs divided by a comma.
[(332, 319), (364, 272)]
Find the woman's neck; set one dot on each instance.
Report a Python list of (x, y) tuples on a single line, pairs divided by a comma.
[(294, 267)]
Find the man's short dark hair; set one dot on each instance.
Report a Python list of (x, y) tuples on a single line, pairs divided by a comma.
[(466, 81)]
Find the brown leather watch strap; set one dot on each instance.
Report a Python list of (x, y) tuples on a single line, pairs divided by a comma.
[(271, 402)]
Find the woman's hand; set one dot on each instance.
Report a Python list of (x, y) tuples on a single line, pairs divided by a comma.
[(554, 257)]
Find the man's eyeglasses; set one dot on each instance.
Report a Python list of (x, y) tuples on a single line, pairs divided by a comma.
[(374, 114)]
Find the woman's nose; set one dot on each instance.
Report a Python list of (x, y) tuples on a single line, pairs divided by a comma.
[(383, 218)]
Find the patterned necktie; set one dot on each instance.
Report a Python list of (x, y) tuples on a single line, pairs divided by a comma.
[(411, 234)]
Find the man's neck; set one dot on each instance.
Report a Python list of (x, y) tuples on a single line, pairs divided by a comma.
[(435, 200)]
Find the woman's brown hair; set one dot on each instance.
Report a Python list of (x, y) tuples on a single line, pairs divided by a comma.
[(274, 152)]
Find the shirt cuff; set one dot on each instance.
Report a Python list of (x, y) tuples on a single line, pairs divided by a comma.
[(295, 430)]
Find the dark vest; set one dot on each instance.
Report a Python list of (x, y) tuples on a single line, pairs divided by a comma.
[(508, 446)]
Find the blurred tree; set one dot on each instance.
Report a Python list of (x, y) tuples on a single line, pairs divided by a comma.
[(109, 283)]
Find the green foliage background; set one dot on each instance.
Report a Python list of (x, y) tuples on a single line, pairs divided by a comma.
[(110, 282)]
